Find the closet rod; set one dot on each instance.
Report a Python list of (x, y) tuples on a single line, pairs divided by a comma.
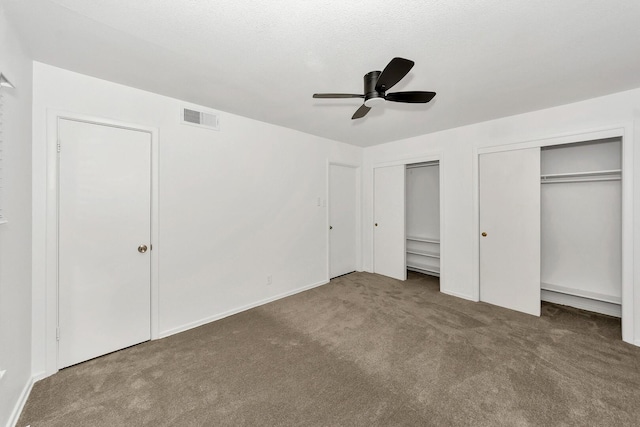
[(609, 172), (422, 165), (560, 181)]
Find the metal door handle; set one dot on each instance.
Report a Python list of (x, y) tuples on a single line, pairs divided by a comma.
[(142, 249), (376, 224), (484, 234), (331, 227)]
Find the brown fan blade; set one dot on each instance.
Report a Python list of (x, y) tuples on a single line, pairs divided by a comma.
[(393, 73), (361, 112), (414, 97), (337, 95)]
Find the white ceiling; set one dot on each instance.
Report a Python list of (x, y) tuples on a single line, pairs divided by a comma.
[(264, 60)]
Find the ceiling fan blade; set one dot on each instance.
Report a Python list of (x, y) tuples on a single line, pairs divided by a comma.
[(337, 95), (415, 97), (395, 70), (361, 112)]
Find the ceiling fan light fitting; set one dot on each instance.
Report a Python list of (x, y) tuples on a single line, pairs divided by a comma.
[(372, 102)]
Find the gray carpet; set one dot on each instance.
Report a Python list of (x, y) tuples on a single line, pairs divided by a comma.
[(363, 350)]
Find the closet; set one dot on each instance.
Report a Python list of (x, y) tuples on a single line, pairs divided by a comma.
[(581, 223), (550, 225), (422, 186)]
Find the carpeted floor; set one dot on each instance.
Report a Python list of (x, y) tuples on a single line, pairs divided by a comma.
[(364, 350)]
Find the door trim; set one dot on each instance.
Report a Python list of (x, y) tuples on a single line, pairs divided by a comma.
[(623, 131), (50, 305), (358, 171)]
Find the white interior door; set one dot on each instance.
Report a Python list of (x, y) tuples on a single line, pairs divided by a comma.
[(389, 222), (104, 216), (510, 229), (342, 220)]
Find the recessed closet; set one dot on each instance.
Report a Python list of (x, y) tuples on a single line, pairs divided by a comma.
[(550, 222), (581, 222), (423, 217)]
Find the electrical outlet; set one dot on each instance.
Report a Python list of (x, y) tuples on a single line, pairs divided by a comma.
[(269, 280)]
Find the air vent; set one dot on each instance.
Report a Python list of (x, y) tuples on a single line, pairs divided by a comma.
[(205, 119)]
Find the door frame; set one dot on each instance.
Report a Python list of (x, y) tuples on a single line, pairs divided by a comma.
[(427, 157), (52, 210), (358, 201), (623, 131)]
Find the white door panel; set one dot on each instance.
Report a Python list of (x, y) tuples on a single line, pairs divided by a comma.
[(342, 220), (104, 215), (389, 222), (510, 217)]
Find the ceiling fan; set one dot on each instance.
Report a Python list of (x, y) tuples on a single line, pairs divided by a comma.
[(377, 83)]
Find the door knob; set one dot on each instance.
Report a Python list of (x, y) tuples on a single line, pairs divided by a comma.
[(142, 249), (331, 227), (484, 234), (376, 224)]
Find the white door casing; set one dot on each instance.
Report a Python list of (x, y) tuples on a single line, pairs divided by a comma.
[(510, 218), (389, 222), (342, 220), (104, 282)]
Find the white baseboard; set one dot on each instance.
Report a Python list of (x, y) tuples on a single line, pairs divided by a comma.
[(39, 376), (581, 303), (238, 310), (458, 295), (17, 410)]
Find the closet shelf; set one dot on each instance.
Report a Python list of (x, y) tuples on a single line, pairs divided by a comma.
[(431, 270), (601, 175), (423, 239), (423, 253), (581, 293), (425, 267)]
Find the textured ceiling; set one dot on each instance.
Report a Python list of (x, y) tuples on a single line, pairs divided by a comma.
[(264, 60)]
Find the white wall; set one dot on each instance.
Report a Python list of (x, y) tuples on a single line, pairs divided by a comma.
[(234, 206), (459, 183), (423, 202), (15, 236)]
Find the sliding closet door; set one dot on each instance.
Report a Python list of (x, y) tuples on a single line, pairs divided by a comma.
[(510, 229), (389, 231)]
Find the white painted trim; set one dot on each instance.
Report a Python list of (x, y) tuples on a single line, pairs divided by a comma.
[(39, 376), (426, 157), (629, 309), (51, 219), (475, 175), (560, 139), (624, 131), (22, 400), (458, 295), (358, 171), (327, 215), (237, 310)]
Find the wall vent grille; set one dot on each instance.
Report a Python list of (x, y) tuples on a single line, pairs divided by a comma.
[(193, 117)]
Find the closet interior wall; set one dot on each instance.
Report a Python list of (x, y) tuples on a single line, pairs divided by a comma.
[(581, 223), (423, 218)]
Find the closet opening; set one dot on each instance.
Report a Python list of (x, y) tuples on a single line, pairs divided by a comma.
[(422, 206), (581, 225)]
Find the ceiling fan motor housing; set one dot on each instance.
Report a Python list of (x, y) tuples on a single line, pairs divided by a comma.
[(371, 96)]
